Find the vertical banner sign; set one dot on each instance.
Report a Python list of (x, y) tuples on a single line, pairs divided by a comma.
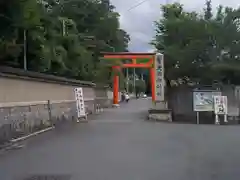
[(80, 102), (159, 77), (220, 105)]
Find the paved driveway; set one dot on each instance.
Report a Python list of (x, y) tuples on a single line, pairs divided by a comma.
[(120, 145)]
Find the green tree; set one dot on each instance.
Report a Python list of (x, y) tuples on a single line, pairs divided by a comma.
[(140, 86), (208, 10), (15, 17), (199, 48), (64, 37)]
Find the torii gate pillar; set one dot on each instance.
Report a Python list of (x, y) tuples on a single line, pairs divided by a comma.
[(115, 86), (139, 60)]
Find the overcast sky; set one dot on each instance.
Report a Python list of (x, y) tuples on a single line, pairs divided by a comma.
[(138, 22)]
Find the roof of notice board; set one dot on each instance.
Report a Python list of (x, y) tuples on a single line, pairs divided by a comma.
[(129, 53)]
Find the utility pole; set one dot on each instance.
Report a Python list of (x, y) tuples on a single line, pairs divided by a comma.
[(25, 49), (63, 28)]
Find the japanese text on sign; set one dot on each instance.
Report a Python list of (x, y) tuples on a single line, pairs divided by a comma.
[(159, 75), (220, 105), (80, 102)]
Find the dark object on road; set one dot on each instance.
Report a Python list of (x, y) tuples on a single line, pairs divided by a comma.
[(123, 97), (48, 177)]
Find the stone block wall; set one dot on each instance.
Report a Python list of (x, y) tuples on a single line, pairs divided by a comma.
[(31, 101), (22, 120)]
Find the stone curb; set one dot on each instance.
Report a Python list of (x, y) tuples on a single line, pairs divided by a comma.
[(157, 120), (14, 141), (13, 144), (153, 118), (31, 135)]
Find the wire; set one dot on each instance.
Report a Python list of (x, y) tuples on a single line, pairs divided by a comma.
[(136, 5), (141, 2)]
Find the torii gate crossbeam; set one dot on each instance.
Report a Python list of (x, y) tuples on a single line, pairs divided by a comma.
[(138, 60)]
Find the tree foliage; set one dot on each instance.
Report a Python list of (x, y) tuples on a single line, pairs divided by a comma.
[(64, 37), (199, 48)]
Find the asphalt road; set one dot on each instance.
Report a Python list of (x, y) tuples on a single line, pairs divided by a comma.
[(120, 145)]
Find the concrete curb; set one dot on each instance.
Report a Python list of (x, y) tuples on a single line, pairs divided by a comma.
[(31, 135), (39, 132), (13, 141), (157, 120)]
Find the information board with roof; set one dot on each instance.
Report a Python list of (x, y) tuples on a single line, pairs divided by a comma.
[(203, 100)]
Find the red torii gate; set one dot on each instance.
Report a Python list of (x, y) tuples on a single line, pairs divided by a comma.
[(137, 62)]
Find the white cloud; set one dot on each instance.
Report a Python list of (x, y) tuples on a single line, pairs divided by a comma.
[(138, 22), (141, 36), (151, 50)]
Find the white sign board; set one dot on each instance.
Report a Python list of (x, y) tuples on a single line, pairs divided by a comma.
[(159, 77), (80, 102), (220, 105), (203, 100)]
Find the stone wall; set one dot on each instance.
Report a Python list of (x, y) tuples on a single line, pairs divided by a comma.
[(180, 100), (21, 120), (30, 102), (17, 121)]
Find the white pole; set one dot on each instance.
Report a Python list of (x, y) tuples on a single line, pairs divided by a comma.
[(217, 119), (225, 118)]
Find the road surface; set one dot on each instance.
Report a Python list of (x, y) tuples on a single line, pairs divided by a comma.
[(120, 145)]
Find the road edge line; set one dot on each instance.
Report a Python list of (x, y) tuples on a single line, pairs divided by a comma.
[(31, 135)]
